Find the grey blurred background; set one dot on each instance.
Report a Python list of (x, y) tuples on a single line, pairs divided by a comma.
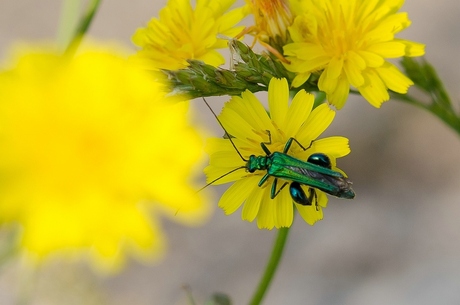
[(397, 243)]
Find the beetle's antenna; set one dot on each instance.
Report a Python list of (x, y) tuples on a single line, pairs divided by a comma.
[(226, 133), (218, 178)]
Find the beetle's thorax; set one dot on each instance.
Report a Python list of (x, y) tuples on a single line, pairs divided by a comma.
[(257, 163)]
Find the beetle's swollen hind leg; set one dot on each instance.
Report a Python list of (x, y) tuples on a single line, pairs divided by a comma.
[(274, 192)]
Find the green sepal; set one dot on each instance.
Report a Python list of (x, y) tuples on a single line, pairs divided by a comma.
[(202, 80), (250, 71)]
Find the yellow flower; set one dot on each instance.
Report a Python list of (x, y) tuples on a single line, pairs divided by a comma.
[(182, 33), (246, 120), (91, 154), (349, 41), (272, 19)]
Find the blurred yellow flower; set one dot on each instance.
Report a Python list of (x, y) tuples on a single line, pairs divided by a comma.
[(182, 33), (91, 154), (349, 41), (247, 121)]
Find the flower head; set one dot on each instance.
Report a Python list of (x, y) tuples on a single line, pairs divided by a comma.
[(91, 153), (182, 33), (248, 123), (349, 42), (272, 19)]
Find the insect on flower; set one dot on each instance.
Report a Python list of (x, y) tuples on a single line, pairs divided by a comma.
[(275, 158), (316, 172)]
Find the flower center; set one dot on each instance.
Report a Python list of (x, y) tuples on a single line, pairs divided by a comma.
[(341, 30)]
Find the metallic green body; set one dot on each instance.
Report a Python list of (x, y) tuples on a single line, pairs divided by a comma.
[(283, 166), (316, 172)]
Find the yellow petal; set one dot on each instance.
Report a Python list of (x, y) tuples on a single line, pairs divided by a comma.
[(278, 98), (234, 124), (328, 84), (284, 213), (393, 78), (353, 71), (320, 118), (335, 67), (374, 91), (339, 95), (217, 144), (305, 66), (223, 174), (259, 118), (395, 23), (304, 51), (300, 79), (310, 213), (371, 59), (236, 194), (356, 59), (389, 49), (335, 147), (251, 110), (322, 198), (266, 215), (252, 204), (213, 58), (298, 112), (226, 158), (228, 21), (413, 48)]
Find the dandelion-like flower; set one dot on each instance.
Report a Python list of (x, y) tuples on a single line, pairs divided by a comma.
[(248, 123), (182, 33), (91, 154), (272, 19), (349, 42)]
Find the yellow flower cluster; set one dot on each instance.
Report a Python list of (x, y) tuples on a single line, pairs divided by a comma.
[(94, 150), (182, 32), (345, 42)]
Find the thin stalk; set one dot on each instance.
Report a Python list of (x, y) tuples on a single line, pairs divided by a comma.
[(83, 26), (271, 267), (445, 114), (68, 21), (439, 107)]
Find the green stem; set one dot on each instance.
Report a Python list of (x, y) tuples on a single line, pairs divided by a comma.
[(440, 106), (271, 267), (443, 112), (68, 21), (83, 26), (427, 80)]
